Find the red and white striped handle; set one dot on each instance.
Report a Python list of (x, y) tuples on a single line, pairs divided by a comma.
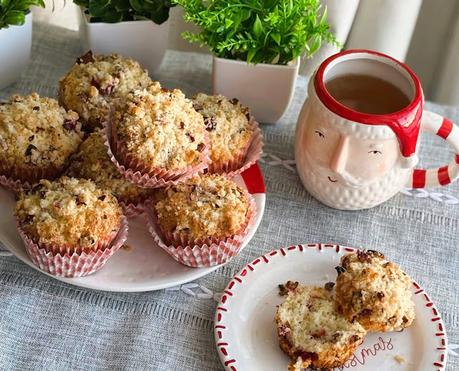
[(444, 128)]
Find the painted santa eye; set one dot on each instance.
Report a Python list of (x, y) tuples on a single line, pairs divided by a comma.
[(320, 134), (375, 152)]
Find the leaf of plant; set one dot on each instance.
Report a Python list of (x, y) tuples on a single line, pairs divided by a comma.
[(136, 5), (15, 17), (112, 16), (160, 16), (257, 27), (276, 37)]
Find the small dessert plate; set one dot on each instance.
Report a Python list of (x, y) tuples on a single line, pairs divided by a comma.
[(140, 265), (245, 331)]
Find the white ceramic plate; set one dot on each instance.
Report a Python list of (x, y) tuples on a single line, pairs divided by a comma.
[(245, 332), (144, 266)]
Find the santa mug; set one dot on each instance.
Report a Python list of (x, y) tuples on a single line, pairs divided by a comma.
[(352, 160)]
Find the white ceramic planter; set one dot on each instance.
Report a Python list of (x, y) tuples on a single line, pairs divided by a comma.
[(15, 46), (143, 41), (266, 89)]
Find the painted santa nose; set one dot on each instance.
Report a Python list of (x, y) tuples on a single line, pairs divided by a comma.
[(339, 157)]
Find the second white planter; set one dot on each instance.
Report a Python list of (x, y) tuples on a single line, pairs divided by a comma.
[(143, 41), (15, 45), (267, 89)]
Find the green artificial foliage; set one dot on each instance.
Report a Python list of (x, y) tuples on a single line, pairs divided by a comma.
[(258, 31), (114, 11), (13, 12)]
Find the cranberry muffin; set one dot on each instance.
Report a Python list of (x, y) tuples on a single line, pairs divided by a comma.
[(157, 131), (230, 130), (374, 292), (208, 207), (96, 81), (311, 331), (37, 138), (92, 162)]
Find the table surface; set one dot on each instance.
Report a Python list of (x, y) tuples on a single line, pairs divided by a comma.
[(49, 325)]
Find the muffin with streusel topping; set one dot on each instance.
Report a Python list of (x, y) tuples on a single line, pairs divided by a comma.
[(95, 81), (68, 219), (311, 331), (203, 208), (92, 162), (157, 132), (37, 137), (374, 292), (231, 130)]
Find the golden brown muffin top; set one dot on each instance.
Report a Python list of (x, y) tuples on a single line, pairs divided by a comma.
[(228, 125), (92, 162), (203, 207), (95, 81), (160, 128), (36, 132), (68, 212), (374, 291)]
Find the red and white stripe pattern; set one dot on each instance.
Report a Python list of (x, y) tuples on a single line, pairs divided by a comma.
[(444, 128)]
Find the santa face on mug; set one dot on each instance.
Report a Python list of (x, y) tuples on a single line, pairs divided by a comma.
[(350, 165)]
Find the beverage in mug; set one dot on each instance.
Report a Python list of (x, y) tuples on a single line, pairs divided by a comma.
[(357, 135)]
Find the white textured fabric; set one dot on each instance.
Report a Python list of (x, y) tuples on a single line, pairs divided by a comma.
[(48, 325)]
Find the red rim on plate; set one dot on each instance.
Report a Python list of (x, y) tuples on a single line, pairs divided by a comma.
[(223, 343)]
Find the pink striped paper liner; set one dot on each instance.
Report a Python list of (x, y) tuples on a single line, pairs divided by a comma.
[(136, 173), (201, 253), (247, 158), (66, 263)]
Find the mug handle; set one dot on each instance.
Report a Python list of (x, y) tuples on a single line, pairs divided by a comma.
[(444, 128)]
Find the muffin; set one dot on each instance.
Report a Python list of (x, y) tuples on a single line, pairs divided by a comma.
[(158, 133), (374, 292), (96, 81), (37, 137), (230, 130), (69, 224), (203, 221), (92, 162), (204, 207), (311, 331)]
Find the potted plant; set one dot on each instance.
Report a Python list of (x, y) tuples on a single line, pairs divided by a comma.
[(133, 28), (257, 46), (15, 38)]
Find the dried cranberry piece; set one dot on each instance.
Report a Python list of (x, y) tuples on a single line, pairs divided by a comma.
[(319, 334), (210, 123), (86, 58), (29, 149), (28, 219), (283, 330), (70, 125), (234, 101), (363, 256), (79, 201), (340, 269), (287, 287), (192, 139), (366, 312)]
